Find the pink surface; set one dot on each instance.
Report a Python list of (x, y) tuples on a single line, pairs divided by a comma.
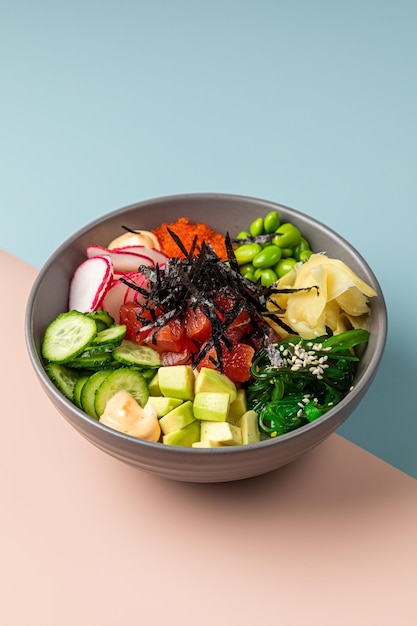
[(330, 539)]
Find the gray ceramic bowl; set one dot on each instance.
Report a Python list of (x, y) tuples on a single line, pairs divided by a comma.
[(222, 212)]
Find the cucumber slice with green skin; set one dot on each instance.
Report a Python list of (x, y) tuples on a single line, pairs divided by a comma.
[(77, 389), (64, 379), (93, 350), (89, 390), (112, 335), (100, 325), (147, 373), (123, 379), (103, 319), (67, 336), (130, 353), (92, 362)]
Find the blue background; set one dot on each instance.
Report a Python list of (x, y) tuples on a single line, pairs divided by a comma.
[(311, 104)]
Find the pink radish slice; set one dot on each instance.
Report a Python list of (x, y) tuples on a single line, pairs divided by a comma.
[(118, 293), (114, 298), (89, 283), (131, 294), (122, 261), (157, 256)]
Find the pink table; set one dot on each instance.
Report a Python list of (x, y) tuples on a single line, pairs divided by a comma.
[(85, 540)]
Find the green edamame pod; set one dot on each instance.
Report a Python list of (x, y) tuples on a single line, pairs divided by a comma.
[(284, 266), (305, 255), (301, 247), (258, 273), (271, 222), (246, 252), (257, 227), (243, 235), (248, 271), (267, 257), (268, 277), (287, 236), (287, 252)]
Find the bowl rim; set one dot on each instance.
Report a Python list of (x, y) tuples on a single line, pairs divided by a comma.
[(359, 388)]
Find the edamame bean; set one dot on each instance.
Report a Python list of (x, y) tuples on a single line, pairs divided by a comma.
[(257, 227), (271, 222), (246, 252), (300, 247), (287, 252), (248, 271), (257, 273), (247, 267), (305, 255), (268, 257), (284, 266), (287, 236), (268, 277), (243, 235)]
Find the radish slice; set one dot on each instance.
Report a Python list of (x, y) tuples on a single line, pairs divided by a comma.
[(157, 256), (114, 298), (118, 293), (122, 260), (89, 283), (131, 294)]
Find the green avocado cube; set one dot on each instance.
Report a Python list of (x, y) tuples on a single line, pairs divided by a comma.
[(163, 405), (249, 427), (238, 407), (212, 380), (207, 444), (186, 436), (209, 405), (153, 386), (179, 417), (222, 432), (177, 381)]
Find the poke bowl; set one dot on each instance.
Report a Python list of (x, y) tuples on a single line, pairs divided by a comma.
[(254, 422)]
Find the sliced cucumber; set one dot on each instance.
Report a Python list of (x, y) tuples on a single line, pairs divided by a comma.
[(91, 361), (125, 379), (89, 390), (103, 319), (67, 336), (82, 379), (130, 353), (112, 335), (94, 350), (64, 379)]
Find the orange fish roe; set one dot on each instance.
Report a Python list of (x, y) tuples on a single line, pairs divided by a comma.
[(186, 232)]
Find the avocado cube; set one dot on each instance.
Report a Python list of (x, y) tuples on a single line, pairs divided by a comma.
[(238, 407), (222, 432), (177, 381), (207, 444), (163, 405), (153, 386), (212, 406), (179, 417), (249, 427), (184, 436), (212, 380)]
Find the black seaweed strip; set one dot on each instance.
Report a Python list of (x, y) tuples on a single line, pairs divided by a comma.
[(187, 253), (258, 239)]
